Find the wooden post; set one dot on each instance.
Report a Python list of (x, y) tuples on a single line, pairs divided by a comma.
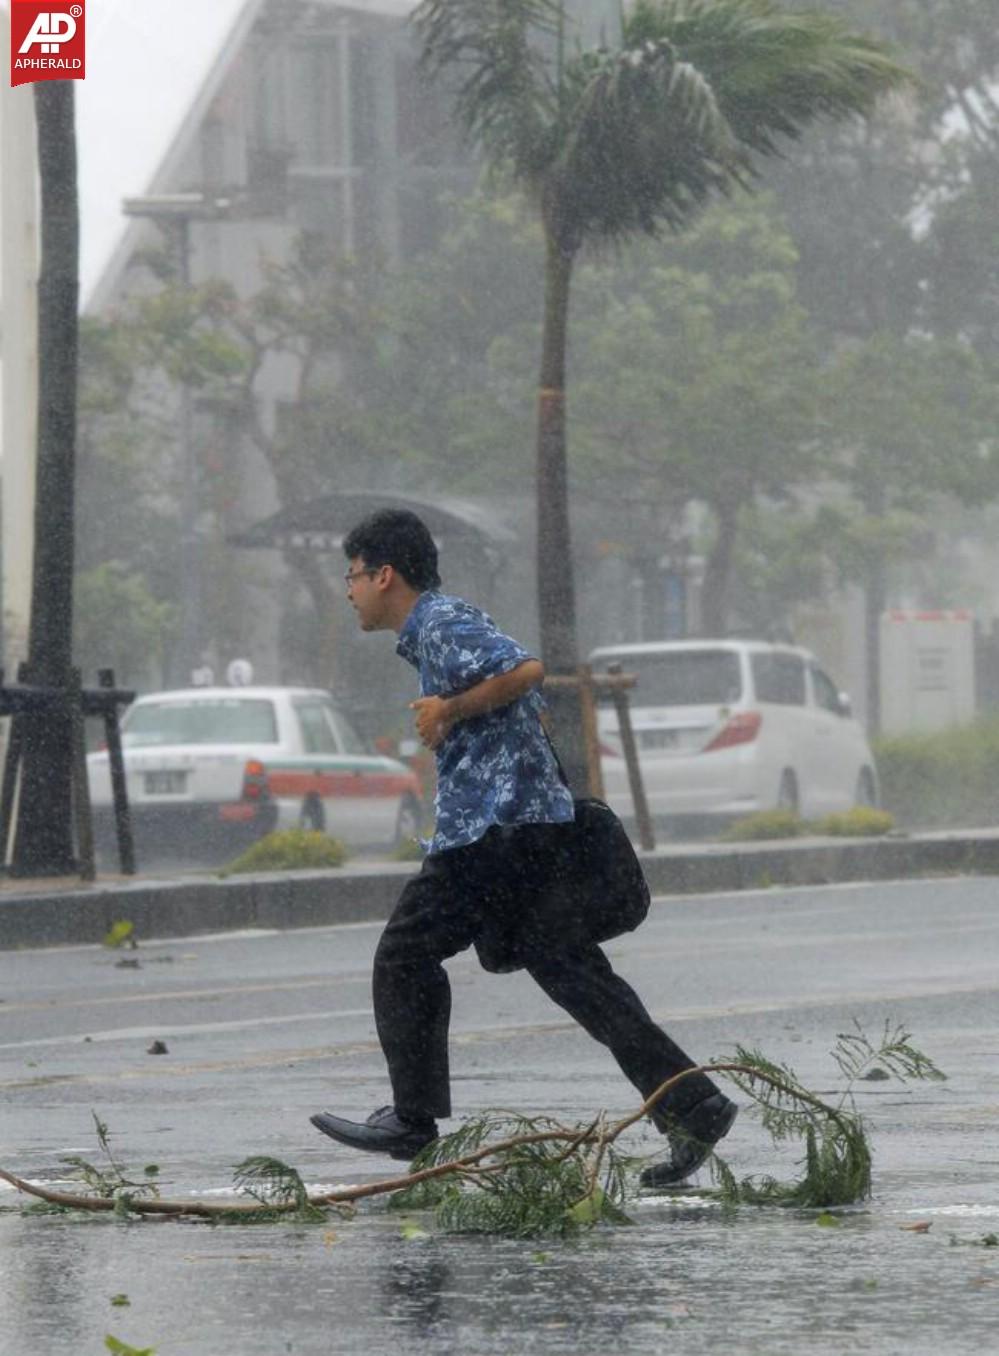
[(591, 741), (617, 683), (643, 819), (119, 791), (11, 769), (81, 786), (8, 792)]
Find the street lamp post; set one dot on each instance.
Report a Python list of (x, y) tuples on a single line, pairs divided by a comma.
[(175, 212)]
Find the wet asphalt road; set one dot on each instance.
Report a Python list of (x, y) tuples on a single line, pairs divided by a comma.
[(261, 1030)]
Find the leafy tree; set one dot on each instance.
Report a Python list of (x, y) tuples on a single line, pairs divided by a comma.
[(896, 226), (461, 323), (119, 624), (309, 321), (127, 535), (963, 256), (613, 142), (910, 420), (865, 214), (781, 570), (698, 383)]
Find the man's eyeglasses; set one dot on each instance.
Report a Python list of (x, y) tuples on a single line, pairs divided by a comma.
[(351, 575)]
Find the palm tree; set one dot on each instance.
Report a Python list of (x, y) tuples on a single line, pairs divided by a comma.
[(612, 142)]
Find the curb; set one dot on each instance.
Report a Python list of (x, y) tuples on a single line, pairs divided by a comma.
[(198, 904), (83, 914)]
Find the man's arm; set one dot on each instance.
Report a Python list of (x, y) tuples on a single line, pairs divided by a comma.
[(436, 715)]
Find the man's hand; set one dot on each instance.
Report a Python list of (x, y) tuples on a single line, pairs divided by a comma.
[(433, 719), (436, 715)]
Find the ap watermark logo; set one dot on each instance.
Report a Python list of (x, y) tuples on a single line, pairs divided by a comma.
[(46, 42)]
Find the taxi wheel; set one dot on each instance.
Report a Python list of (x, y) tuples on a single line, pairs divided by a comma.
[(410, 821), (312, 816)]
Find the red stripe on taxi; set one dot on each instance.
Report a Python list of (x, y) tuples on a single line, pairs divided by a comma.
[(332, 784)]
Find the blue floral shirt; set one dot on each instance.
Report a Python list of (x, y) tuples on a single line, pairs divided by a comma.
[(492, 769)]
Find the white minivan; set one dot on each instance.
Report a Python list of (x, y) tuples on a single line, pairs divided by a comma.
[(725, 728)]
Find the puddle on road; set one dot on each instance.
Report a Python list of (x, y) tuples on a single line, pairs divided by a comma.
[(688, 1277)]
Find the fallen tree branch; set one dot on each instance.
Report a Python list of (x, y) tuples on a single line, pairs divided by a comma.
[(835, 1142)]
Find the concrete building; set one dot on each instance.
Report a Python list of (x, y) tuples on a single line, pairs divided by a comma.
[(311, 123)]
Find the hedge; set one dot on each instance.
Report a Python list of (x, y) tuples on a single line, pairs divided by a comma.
[(947, 779)]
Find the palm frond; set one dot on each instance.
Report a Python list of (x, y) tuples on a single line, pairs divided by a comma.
[(506, 96), (644, 141), (613, 142), (773, 71)]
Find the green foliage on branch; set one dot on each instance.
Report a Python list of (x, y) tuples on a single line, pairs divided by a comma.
[(550, 1186), (837, 1163), (108, 1180), (275, 1184), (524, 1176)]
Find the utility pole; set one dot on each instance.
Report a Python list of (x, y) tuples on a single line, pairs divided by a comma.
[(44, 835)]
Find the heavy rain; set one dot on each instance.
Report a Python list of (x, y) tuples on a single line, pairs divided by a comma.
[(676, 326)]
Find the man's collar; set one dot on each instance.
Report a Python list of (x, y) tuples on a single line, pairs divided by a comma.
[(409, 633)]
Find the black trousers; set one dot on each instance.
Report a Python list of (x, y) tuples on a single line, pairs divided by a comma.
[(462, 895)]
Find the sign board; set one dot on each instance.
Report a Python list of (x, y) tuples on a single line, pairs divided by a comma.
[(927, 670)]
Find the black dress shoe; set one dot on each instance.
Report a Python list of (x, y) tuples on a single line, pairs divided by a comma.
[(384, 1132), (692, 1140)]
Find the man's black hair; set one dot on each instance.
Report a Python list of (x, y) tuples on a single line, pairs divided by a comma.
[(398, 538)]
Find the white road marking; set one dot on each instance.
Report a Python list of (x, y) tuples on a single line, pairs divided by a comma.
[(169, 995), (163, 1030)]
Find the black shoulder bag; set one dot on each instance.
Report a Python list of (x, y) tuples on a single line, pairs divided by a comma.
[(579, 883), (601, 879)]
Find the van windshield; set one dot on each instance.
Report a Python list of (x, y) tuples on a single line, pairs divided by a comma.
[(225, 720), (681, 677)]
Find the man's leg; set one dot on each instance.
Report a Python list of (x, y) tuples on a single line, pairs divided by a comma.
[(583, 983), (434, 919), (695, 1114)]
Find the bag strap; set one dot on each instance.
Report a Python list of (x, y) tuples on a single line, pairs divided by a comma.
[(558, 760)]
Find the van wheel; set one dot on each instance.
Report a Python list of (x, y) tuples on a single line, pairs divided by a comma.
[(787, 793), (867, 792), (410, 821), (312, 816)]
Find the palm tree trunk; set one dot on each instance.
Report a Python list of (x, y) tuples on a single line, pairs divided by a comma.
[(556, 592), (555, 582), (44, 837), (875, 601), (718, 573)]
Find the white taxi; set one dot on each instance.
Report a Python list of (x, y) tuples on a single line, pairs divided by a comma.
[(218, 767)]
